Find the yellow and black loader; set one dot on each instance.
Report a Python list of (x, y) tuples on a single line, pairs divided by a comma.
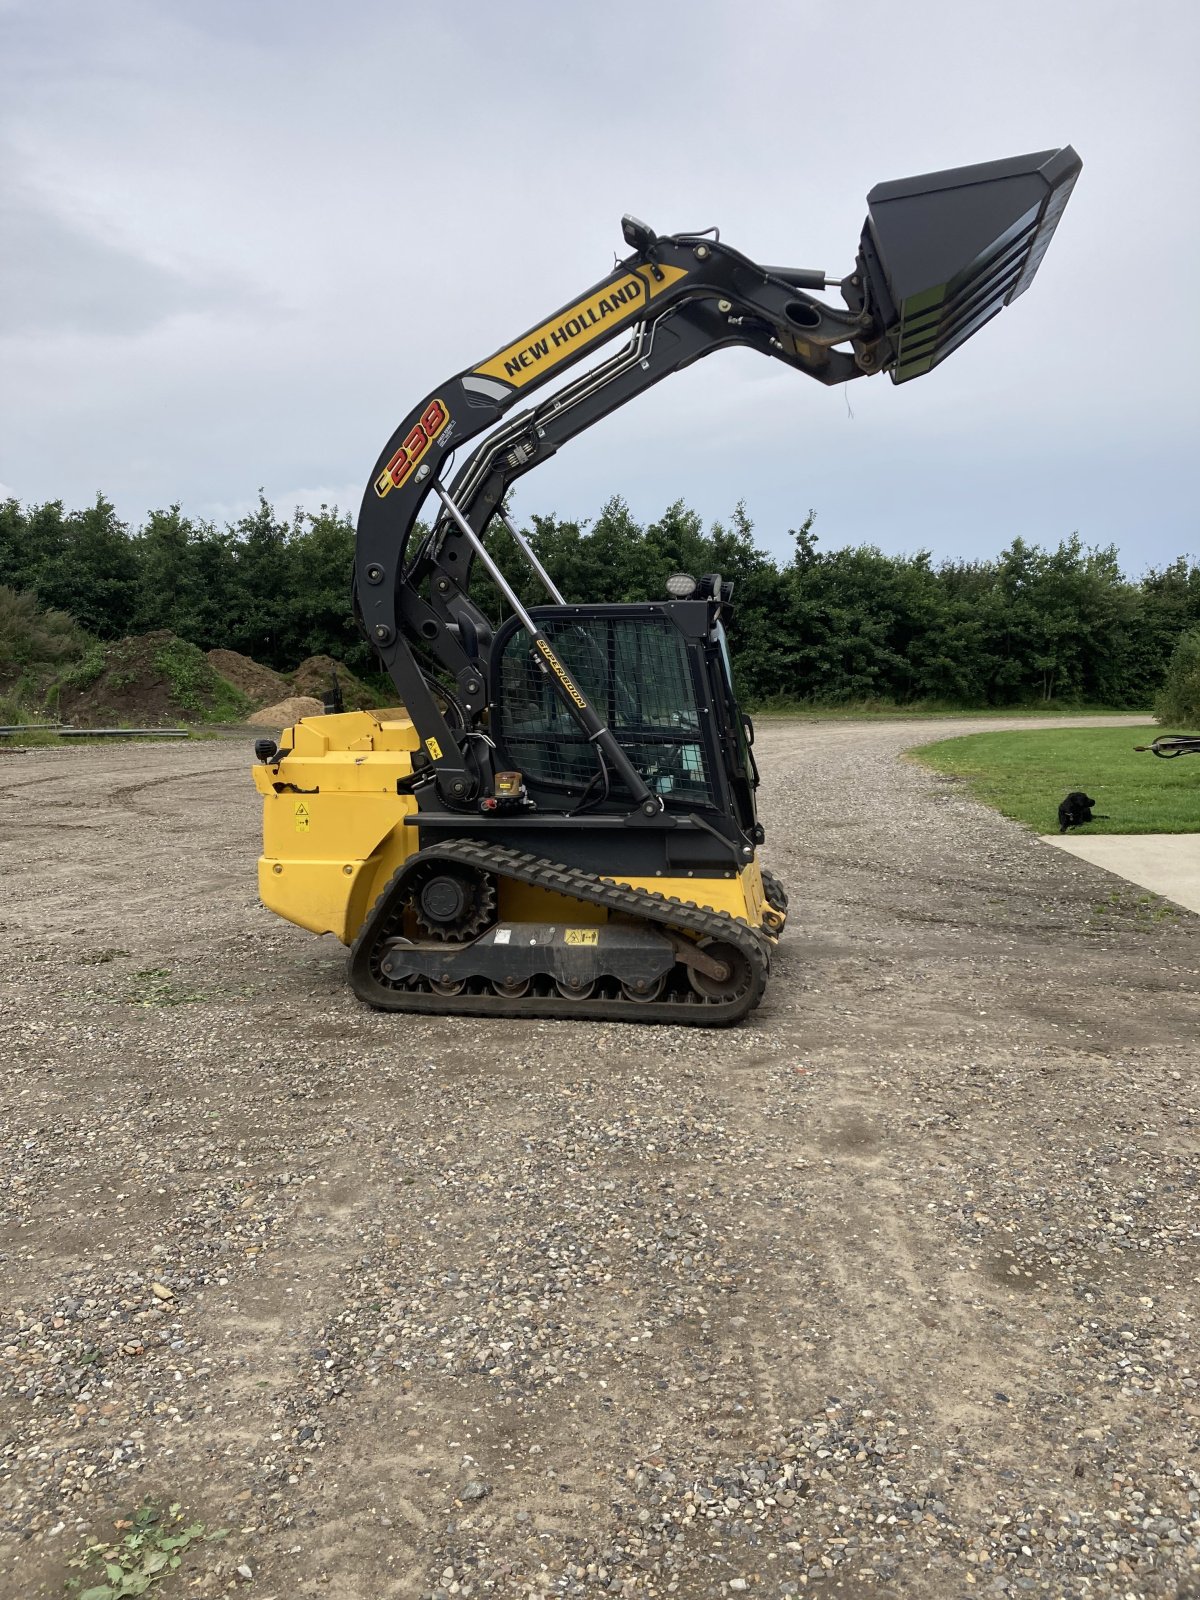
[(559, 818)]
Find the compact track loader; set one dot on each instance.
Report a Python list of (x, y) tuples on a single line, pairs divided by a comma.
[(561, 822)]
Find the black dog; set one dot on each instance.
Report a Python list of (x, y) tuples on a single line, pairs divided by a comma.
[(1075, 810)]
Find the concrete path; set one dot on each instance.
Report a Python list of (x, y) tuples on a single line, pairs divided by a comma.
[(1165, 863)]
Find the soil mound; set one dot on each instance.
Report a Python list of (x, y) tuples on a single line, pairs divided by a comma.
[(315, 677), (259, 683), (150, 679), (285, 713)]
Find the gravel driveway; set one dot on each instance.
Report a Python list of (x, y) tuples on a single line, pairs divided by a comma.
[(890, 1291)]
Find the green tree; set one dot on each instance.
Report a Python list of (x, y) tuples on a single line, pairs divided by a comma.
[(33, 543), (320, 558), (1053, 624), (261, 600), (14, 545), (88, 567), (1178, 701), (177, 586)]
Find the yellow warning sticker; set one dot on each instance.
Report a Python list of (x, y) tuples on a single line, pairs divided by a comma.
[(581, 935), (302, 817), (434, 748)]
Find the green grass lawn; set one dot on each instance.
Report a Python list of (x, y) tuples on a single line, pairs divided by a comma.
[(923, 710), (1025, 774)]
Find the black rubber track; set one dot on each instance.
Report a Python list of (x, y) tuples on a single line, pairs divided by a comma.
[(386, 916), (776, 894)]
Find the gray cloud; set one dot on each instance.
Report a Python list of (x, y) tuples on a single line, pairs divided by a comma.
[(56, 277), (240, 241)]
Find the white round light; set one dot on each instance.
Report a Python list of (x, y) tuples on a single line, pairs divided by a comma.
[(681, 586)]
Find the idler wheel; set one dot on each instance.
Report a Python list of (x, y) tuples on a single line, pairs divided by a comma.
[(731, 983)]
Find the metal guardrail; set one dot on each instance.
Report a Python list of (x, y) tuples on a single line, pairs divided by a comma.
[(124, 733), (13, 729)]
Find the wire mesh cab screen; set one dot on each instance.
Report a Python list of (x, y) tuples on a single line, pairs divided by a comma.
[(635, 672)]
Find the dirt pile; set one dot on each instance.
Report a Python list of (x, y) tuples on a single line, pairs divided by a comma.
[(149, 680), (315, 676), (285, 712), (260, 684), (157, 678)]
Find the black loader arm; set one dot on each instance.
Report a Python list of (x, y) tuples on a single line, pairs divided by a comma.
[(938, 256)]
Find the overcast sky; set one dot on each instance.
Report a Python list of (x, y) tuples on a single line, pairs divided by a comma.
[(238, 241)]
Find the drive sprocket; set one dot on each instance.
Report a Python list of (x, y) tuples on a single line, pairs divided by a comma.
[(452, 902)]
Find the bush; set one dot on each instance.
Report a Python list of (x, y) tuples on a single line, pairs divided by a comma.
[(1178, 701), (33, 637), (195, 686), (85, 671)]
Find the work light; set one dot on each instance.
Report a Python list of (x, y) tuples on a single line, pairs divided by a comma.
[(681, 586)]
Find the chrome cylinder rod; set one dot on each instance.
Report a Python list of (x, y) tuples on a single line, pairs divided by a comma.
[(494, 572), (527, 551), (579, 707)]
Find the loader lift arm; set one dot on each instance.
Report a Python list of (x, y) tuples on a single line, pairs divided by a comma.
[(938, 256)]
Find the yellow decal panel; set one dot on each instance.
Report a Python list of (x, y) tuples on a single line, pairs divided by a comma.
[(581, 936), (542, 348), (434, 748), (303, 820)]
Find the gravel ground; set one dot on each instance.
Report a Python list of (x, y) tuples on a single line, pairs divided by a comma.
[(889, 1291)]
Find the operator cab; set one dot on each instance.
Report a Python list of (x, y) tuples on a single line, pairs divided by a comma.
[(658, 676)]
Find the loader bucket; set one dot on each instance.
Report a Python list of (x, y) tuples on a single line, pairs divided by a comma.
[(943, 253)]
